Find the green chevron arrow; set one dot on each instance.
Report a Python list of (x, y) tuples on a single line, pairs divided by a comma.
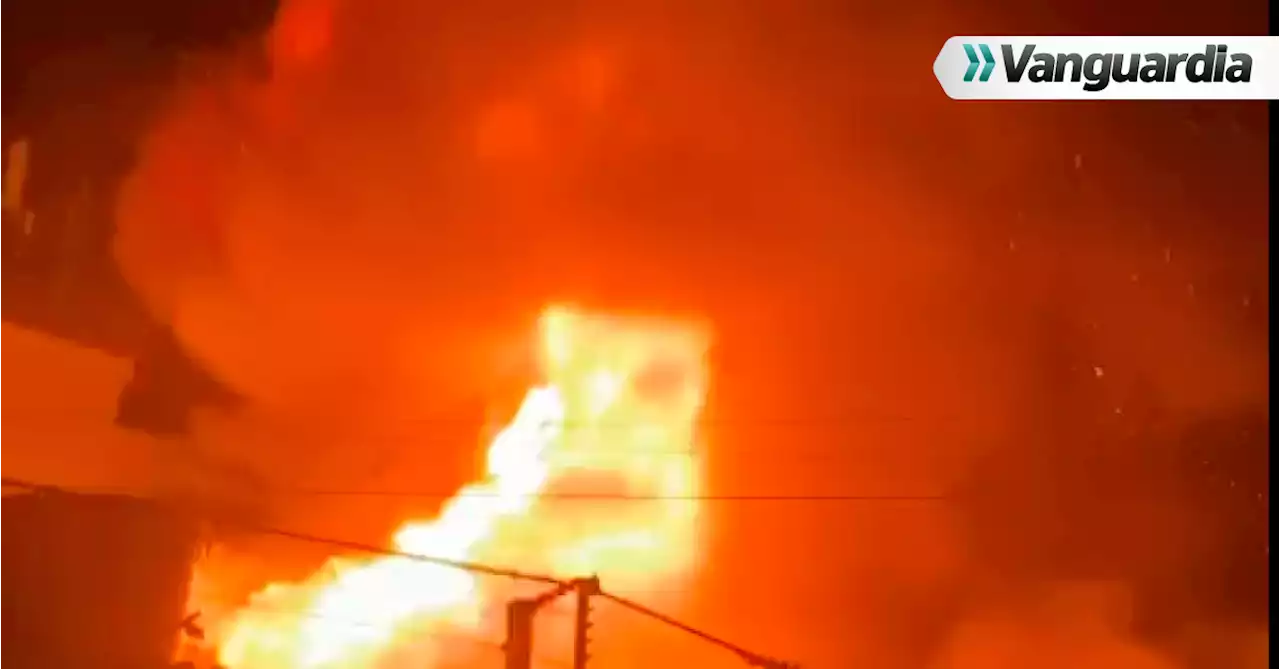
[(988, 62)]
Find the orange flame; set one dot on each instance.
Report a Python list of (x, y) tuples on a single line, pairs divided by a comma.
[(596, 473)]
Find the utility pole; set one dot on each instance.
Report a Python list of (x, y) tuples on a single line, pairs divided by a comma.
[(518, 647), (584, 590)]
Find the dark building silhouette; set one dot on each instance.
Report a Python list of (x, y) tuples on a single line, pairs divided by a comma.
[(83, 81), (93, 581), (96, 580)]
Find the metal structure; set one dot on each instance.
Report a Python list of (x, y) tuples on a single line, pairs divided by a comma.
[(520, 612), (584, 590)]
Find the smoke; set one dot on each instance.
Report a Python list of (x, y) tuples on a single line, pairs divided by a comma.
[(913, 297)]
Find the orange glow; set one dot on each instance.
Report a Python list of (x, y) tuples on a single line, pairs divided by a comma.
[(613, 421), (302, 32)]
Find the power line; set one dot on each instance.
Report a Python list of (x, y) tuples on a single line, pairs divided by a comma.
[(451, 635), (387, 552), (619, 497), (865, 418), (339, 543), (807, 450), (751, 658), (569, 496)]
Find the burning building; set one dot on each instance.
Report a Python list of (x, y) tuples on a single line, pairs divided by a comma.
[(613, 423), (93, 580)]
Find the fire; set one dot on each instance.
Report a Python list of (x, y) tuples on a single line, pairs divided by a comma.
[(596, 474)]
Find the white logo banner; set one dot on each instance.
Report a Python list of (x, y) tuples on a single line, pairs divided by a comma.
[(1110, 68)]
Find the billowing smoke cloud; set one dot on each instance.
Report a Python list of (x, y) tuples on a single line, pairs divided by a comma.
[(912, 297)]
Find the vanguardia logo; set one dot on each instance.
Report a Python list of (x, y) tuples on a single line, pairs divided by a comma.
[(988, 62), (1098, 70), (1082, 67)]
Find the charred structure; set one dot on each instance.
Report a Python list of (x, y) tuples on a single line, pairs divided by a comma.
[(83, 85), (93, 580)]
